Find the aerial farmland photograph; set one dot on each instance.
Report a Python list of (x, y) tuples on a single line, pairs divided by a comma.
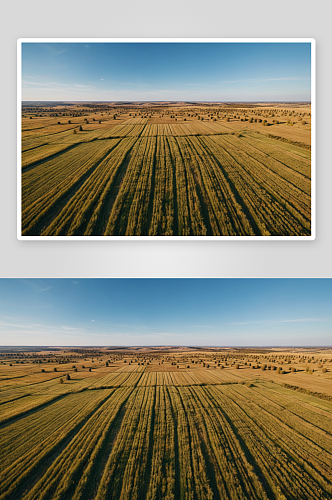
[(165, 389), (196, 139)]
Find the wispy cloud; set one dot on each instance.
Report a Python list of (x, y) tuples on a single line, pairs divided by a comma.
[(201, 326), (199, 84), (70, 328), (37, 286), (58, 85), (84, 86), (61, 51), (259, 80), (275, 321)]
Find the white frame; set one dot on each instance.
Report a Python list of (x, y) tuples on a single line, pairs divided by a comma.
[(312, 41)]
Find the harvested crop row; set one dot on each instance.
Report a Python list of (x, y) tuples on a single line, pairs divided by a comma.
[(41, 180), (60, 185), (289, 214), (127, 464), (296, 187), (15, 479), (131, 206), (290, 158), (226, 216), (235, 476), (85, 208), (162, 222), (258, 191), (197, 223), (77, 460), (163, 460), (282, 472)]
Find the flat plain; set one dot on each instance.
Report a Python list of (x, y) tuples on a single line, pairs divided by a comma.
[(166, 170), (165, 423)]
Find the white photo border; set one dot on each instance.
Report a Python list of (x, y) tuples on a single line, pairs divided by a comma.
[(312, 41)]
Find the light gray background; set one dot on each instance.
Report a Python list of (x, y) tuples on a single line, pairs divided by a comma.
[(159, 18)]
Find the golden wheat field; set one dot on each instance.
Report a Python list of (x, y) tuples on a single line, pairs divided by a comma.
[(107, 170), (165, 424)]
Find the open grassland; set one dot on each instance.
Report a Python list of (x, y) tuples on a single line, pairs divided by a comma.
[(165, 424), (161, 171)]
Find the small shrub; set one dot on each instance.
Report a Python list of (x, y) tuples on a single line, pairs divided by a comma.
[(236, 366), (324, 370), (81, 128), (55, 370), (60, 381), (67, 376)]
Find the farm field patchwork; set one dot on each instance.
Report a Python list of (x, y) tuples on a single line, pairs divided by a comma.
[(161, 423), (166, 170)]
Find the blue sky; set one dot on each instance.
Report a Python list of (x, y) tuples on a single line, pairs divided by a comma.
[(166, 71), (205, 312)]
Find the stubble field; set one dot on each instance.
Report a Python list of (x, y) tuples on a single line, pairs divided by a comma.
[(166, 424), (166, 171)]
